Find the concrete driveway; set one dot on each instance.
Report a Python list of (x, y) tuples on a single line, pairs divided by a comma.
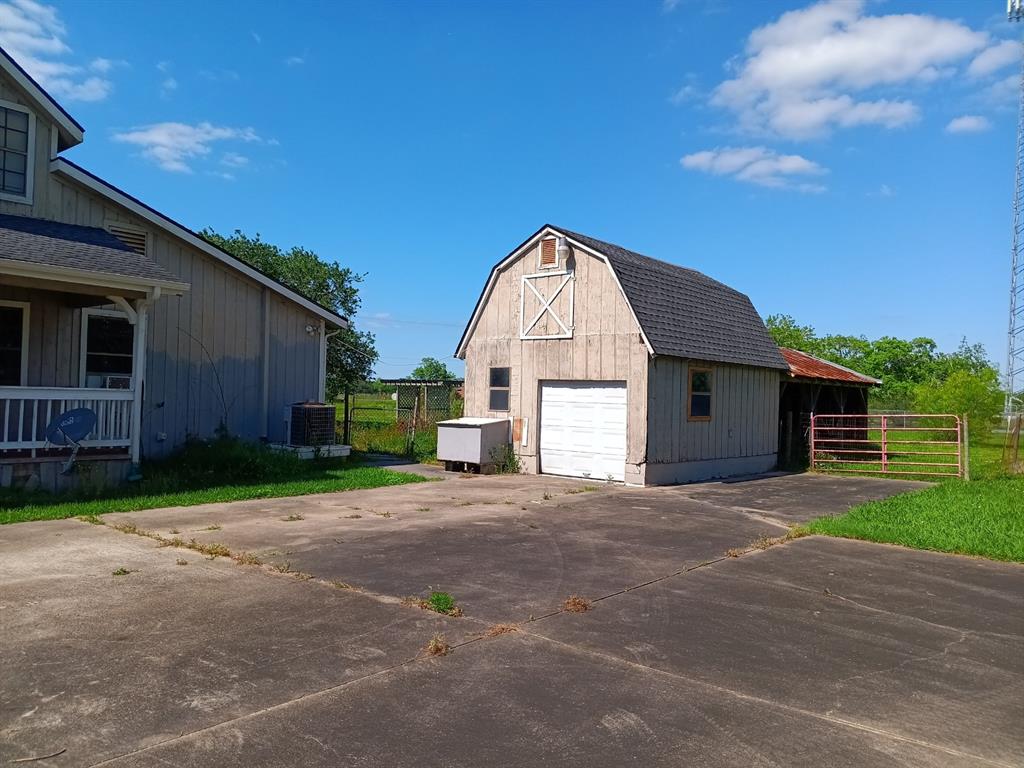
[(811, 652)]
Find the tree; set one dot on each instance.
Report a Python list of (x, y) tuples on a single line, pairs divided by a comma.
[(432, 369), (786, 333), (978, 395), (350, 353)]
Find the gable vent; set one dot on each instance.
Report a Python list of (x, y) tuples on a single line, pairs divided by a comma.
[(133, 238), (548, 253)]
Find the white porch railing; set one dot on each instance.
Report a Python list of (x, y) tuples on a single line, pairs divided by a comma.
[(25, 412)]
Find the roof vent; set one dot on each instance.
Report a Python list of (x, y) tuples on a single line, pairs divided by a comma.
[(130, 236)]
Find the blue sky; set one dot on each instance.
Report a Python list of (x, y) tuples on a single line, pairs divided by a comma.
[(848, 163)]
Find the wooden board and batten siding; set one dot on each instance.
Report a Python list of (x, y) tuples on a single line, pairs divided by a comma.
[(205, 348), (741, 436), (606, 345)]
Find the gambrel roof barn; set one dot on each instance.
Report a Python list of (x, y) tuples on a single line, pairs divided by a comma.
[(614, 365)]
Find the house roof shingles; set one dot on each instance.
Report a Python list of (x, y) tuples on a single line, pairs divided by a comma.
[(805, 366), (52, 244), (685, 313)]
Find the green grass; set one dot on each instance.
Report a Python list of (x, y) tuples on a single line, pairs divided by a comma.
[(375, 429), (216, 471), (983, 516)]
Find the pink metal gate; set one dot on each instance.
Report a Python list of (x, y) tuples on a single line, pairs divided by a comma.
[(932, 445)]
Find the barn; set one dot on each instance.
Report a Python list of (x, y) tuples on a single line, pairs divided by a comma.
[(612, 365)]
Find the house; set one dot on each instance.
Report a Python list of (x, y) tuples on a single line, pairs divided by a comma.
[(613, 365), (108, 304), (814, 386)]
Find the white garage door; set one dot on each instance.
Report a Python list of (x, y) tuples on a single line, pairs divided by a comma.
[(583, 429)]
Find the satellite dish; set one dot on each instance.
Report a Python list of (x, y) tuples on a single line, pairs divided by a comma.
[(71, 428)]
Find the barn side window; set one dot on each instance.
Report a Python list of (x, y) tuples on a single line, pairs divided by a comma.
[(699, 395), (499, 389)]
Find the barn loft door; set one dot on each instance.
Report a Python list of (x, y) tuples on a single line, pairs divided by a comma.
[(546, 306)]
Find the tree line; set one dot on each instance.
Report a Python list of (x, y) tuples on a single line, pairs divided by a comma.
[(915, 375)]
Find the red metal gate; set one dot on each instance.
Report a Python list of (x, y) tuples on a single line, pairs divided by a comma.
[(932, 445)]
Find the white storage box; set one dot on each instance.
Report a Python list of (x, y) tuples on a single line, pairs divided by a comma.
[(471, 440)]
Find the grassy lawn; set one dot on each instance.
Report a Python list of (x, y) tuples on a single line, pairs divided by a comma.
[(375, 429), (223, 470), (983, 516)]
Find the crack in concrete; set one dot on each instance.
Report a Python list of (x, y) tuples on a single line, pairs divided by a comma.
[(853, 724)]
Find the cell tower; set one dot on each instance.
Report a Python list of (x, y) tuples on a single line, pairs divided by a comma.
[(1015, 335)]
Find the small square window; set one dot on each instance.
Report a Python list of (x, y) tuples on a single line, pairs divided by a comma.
[(699, 395), (499, 392)]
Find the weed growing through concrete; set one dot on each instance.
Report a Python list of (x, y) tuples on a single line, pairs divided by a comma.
[(342, 585), (282, 567), (352, 517), (174, 531), (576, 604), (734, 552), (122, 571), (181, 561), (547, 496), (214, 527), (292, 518), (210, 550), (246, 558), (438, 646), (496, 630), (382, 514), (91, 519), (422, 509)]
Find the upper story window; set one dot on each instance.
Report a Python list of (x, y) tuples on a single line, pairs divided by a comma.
[(14, 151)]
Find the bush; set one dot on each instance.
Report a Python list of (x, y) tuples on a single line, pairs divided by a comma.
[(506, 462), (976, 394)]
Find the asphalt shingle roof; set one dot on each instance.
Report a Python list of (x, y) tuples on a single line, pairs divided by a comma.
[(52, 244), (687, 314)]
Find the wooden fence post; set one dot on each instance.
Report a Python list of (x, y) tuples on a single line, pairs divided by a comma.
[(346, 434)]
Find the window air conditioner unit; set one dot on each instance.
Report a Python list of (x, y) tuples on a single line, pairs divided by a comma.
[(117, 382), (311, 424)]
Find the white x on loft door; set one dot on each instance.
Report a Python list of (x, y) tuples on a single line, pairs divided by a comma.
[(546, 306)]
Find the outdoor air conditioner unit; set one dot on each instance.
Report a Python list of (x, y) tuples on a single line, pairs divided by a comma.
[(311, 424)]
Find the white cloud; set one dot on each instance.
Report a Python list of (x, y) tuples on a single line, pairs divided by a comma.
[(34, 35), (234, 160), (173, 145), (994, 58), (294, 61), (804, 74), (168, 86), (757, 165), (256, 36), (968, 124), (885, 191)]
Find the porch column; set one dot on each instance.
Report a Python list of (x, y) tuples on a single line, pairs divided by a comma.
[(138, 377)]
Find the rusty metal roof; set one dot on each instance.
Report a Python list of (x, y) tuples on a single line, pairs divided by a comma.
[(804, 366)]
